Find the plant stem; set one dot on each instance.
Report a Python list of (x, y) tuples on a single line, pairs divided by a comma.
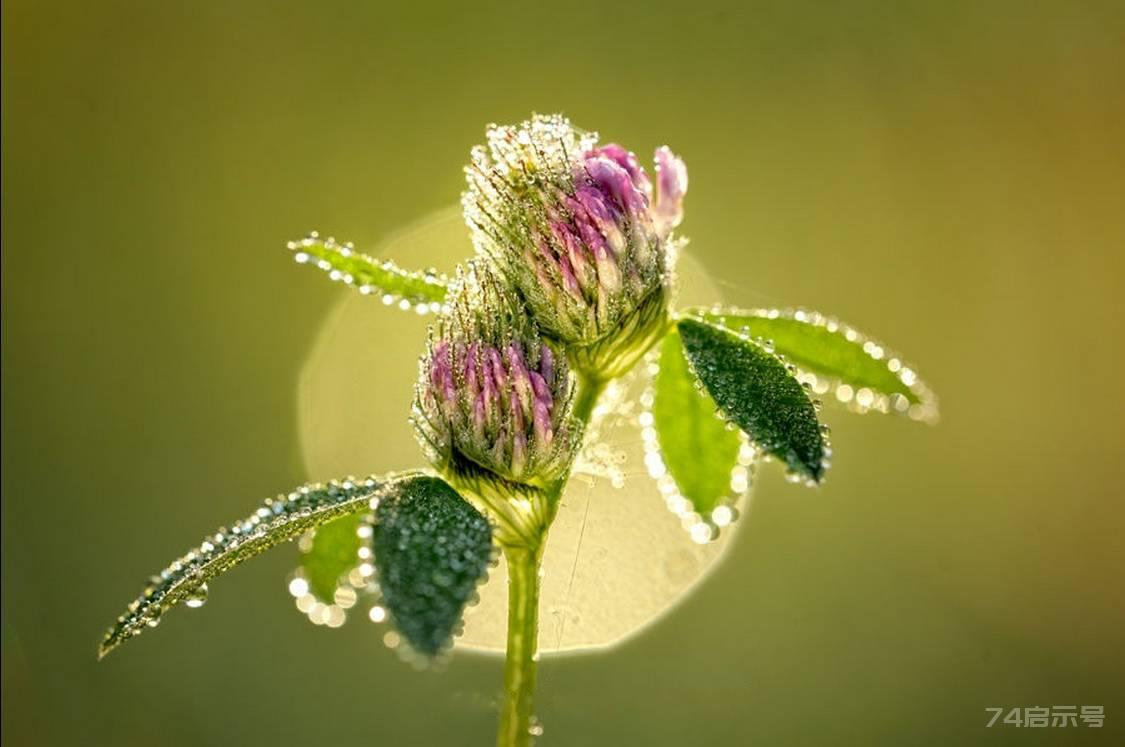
[(523, 635), (523, 603), (586, 396)]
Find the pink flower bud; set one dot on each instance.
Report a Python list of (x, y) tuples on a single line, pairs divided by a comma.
[(626, 160), (574, 225), (672, 181), (492, 395)]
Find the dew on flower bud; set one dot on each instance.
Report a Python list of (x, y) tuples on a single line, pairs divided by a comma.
[(491, 392), (575, 225)]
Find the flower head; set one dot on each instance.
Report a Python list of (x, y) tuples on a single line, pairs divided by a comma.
[(491, 392), (578, 227)]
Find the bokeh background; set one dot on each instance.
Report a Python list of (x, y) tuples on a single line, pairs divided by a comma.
[(946, 175)]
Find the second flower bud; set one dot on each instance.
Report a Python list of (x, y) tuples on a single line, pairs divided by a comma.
[(492, 394)]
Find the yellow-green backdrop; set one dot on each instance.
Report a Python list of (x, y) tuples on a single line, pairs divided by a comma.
[(948, 175)]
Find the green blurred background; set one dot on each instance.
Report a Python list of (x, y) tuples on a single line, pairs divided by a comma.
[(948, 176)]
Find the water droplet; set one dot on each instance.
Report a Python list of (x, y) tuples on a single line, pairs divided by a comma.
[(722, 516), (197, 597)]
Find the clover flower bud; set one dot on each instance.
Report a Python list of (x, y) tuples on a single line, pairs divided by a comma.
[(492, 394), (577, 227)]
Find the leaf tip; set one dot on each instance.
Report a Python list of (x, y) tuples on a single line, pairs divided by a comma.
[(105, 647)]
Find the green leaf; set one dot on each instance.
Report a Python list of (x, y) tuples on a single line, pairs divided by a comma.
[(834, 357), (696, 447), (278, 520), (334, 552), (369, 275), (758, 393), (432, 548)]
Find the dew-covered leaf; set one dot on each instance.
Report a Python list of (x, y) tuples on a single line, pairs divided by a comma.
[(278, 520), (432, 548), (758, 393), (695, 445), (836, 359), (333, 553), (380, 277)]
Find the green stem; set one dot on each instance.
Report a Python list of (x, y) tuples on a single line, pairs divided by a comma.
[(523, 603), (523, 634), (586, 397)]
